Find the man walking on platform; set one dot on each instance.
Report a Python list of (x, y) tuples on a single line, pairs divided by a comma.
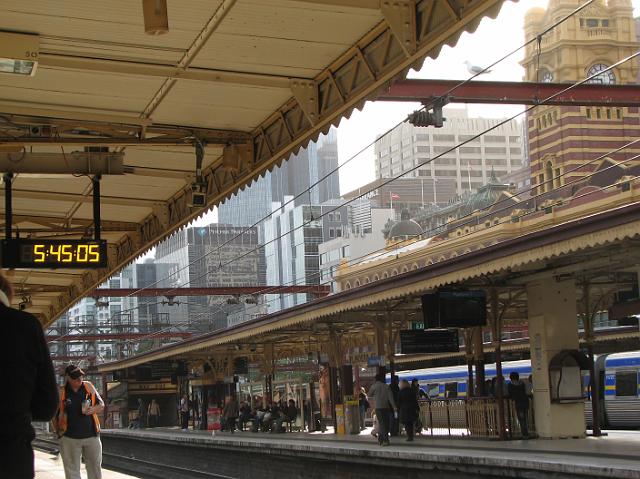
[(184, 412), (30, 390), (518, 394), (384, 405), (78, 426), (154, 413)]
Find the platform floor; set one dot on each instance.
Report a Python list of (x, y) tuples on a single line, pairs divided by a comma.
[(615, 455), (48, 466)]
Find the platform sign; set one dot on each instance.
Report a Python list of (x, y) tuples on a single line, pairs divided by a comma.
[(428, 341), (374, 361)]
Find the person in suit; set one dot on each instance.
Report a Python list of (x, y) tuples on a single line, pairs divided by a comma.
[(408, 407), (31, 393)]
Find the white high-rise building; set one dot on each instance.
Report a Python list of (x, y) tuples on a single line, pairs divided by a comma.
[(470, 165)]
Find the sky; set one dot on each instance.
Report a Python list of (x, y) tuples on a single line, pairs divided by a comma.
[(483, 47)]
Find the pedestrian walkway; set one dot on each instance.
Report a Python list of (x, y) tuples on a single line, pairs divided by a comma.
[(49, 466)]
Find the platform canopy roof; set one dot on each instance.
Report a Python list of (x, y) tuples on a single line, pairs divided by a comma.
[(251, 80)]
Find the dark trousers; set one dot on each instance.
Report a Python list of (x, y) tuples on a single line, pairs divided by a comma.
[(523, 414), (16, 458), (383, 416), (230, 424), (408, 426), (154, 420), (185, 419), (394, 424)]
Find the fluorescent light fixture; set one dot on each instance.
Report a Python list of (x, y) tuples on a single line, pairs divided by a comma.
[(19, 53)]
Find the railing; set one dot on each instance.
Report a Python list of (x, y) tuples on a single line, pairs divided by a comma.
[(471, 417)]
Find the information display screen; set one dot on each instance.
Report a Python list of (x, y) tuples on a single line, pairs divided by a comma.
[(46, 253)]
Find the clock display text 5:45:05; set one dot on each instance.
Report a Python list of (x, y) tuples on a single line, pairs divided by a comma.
[(44, 253)]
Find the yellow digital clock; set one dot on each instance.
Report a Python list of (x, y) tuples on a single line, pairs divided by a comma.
[(45, 253)]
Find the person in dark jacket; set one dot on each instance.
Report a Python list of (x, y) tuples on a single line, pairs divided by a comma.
[(32, 393), (395, 390), (518, 394), (408, 407)]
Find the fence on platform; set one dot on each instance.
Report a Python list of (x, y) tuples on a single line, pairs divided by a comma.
[(471, 417)]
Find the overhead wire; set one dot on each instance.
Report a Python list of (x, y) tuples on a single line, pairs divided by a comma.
[(370, 144), (451, 90)]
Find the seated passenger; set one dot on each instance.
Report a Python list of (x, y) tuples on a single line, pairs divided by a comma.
[(244, 415), (289, 414)]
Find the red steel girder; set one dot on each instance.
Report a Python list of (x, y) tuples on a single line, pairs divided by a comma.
[(320, 290), (117, 336), (513, 93)]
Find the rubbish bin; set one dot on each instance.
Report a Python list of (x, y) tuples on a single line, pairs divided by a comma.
[(352, 415), (340, 419)]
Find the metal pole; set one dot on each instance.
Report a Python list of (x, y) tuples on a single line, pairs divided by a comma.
[(595, 393), (8, 211), (499, 378), (96, 207)]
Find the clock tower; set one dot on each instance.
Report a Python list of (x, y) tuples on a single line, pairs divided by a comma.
[(563, 138)]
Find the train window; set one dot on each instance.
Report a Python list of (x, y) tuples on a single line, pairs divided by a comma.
[(451, 390), (626, 383), (433, 390)]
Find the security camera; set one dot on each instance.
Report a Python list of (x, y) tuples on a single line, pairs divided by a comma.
[(198, 199), (198, 194)]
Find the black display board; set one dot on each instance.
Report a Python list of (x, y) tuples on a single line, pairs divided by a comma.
[(427, 341), (454, 309)]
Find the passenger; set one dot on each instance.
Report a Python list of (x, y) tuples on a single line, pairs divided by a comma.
[(385, 404), (142, 414), (363, 405), (408, 406), (276, 413), (488, 387), (30, 390), (518, 394), (78, 426), (230, 414), (154, 413), (530, 386), (245, 415), (184, 412), (395, 389), (289, 414)]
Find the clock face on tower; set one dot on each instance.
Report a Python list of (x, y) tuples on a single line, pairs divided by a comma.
[(605, 78), (547, 77)]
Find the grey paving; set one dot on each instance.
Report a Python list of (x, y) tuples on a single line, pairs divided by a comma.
[(615, 455)]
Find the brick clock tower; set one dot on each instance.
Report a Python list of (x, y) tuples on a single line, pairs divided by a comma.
[(562, 138)]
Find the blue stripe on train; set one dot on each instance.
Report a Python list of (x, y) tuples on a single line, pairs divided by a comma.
[(619, 362), (523, 371)]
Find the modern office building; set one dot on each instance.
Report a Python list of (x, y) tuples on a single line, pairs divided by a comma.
[(565, 142), (292, 235), (307, 167), (359, 240), (433, 153), (210, 256)]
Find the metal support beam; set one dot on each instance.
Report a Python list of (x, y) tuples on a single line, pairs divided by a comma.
[(96, 207), (8, 210), (77, 162), (512, 93), (214, 291), (401, 17), (306, 94)]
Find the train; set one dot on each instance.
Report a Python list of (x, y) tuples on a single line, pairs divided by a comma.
[(617, 380)]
